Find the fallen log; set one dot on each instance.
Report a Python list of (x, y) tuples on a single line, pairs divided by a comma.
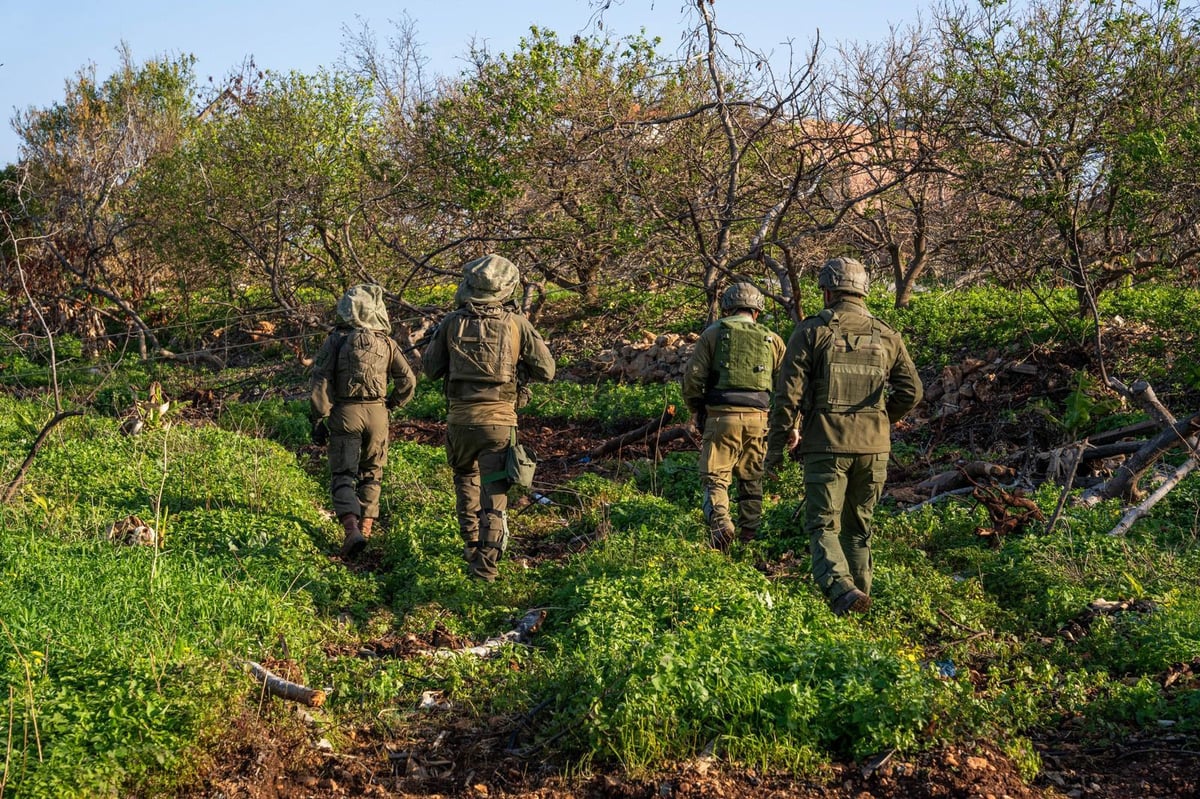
[(651, 428), (275, 685), (1135, 513), (1124, 481)]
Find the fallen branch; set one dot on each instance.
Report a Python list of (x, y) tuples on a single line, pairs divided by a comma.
[(1123, 483), (958, 492), (284, 689), (33, 450), (651, 428), (529, 624), (968, 473), (1081, 447), (1135, 513)]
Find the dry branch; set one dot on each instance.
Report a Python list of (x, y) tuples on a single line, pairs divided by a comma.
[(1123, 483), (284, 689), (1135, 513), (11, 491), (647, 430)]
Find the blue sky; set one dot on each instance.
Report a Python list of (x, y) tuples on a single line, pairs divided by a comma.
[(45, 44)]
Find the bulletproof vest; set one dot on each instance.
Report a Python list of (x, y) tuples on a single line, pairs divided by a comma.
[(743, 356), (856, 369), (361, 373), (483, 347)]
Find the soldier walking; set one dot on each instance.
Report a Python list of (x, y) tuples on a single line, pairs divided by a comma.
[(846, 378), (727, 386), (349, 405), (485, 353)]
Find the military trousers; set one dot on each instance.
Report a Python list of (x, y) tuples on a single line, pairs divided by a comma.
[(476, 454), (358, 448), (841, 492), (734, 446)]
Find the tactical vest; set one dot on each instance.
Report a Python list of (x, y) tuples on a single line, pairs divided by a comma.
[(483, 350), (361, 372), (743, 357), (856, 370)]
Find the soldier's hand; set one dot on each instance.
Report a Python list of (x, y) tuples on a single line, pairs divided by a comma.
[(771, 467), (320, 432), (793, 440)]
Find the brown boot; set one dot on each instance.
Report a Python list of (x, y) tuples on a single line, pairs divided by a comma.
[(354, 541), (746, 535)]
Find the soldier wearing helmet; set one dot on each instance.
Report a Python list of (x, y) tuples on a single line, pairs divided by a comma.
[(727, 386), (483, 350), (349, 405), (846, 378)]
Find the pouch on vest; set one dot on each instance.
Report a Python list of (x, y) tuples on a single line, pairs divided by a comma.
[(483, 349), (362, 367), (857, 374), (743, 356)]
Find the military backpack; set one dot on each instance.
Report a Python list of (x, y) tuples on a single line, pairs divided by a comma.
[(483, 348), (362, 365)]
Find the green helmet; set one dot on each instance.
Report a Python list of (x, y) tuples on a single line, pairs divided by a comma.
[(844, 276), (742, 295)]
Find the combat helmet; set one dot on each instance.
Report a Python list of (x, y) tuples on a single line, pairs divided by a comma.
[(490, 279), (844, 276), (742, 295)]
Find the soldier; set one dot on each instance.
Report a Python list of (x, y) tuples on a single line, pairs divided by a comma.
[(485, 352), (349, 407), (727, 386), (846, 379)]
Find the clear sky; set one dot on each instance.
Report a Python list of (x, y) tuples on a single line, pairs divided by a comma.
[(43, 44)]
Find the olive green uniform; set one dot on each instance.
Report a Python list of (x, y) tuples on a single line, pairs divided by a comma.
[(352, 393), (733, 445), (482, 388), (846, 378)]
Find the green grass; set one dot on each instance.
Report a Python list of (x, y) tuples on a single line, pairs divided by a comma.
[(123, 663)]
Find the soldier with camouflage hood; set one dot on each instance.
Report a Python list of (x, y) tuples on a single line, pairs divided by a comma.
[(727, 386), (349, 407), (846, 379), (484, 352)]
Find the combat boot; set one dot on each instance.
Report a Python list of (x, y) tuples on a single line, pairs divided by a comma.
[(853, 601), (720, 536), (747, 534), (355, 540)]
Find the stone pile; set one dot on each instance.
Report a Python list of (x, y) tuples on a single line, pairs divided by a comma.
[(650, 359)]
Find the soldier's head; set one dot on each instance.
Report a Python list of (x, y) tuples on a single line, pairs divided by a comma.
[(363, 306), (742, 296), (490, 279), (844, 276)]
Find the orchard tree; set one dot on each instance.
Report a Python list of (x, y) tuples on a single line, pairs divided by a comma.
[(1074, 114), (267, 194), (80, 162)]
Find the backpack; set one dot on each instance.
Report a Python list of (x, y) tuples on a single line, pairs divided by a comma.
[(856, 370), (743, 357), (483, 348), (362, 365)]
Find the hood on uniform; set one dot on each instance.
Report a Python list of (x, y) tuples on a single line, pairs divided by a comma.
[(490, 279), (362, 306)]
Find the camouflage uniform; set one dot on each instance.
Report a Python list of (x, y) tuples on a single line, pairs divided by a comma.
[(349, 389), (485, 352), (846, 379), (733, 417)]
